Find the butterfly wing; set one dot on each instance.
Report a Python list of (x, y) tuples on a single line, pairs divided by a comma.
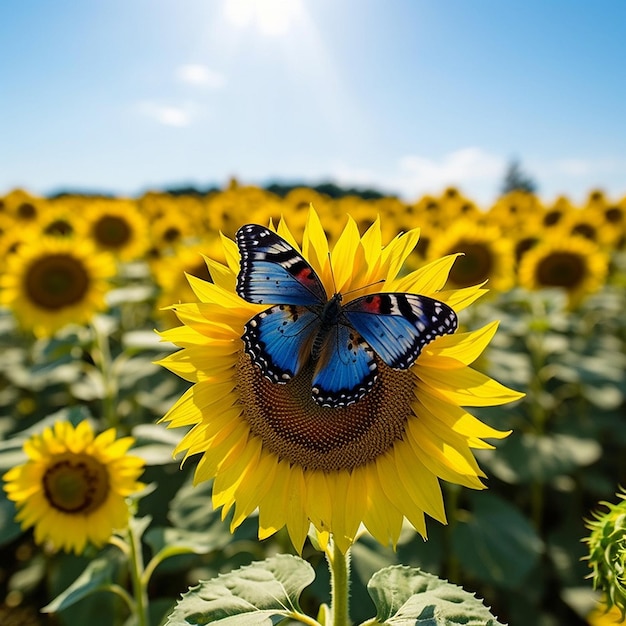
[(272, 271), (398, 325), (278, 340), (346, 369)]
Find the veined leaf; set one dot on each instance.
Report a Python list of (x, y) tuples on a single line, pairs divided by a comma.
[(251, 595), (406, 596)]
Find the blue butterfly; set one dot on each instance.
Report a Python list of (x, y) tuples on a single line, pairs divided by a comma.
[(304, 326)]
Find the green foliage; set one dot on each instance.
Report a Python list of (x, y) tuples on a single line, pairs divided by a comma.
[(254, 594), (406, 596)]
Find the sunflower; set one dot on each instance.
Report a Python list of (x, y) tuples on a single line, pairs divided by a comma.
[(571, 263), (116, 226), (271, 447), (603, 616), (487, 254), (51, 282), (73, 486)]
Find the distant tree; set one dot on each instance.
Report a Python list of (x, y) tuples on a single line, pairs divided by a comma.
[(515, 179)]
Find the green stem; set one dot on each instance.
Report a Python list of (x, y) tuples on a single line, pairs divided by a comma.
[(339, 564), (102, 356), (140, 591)]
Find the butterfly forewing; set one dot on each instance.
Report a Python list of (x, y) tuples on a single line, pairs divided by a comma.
[(273, 272), (398, 325)]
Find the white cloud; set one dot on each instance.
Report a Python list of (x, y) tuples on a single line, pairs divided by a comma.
[(474, 171), (200, 75), (168, 115)]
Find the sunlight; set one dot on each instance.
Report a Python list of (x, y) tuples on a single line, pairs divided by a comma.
[(270, 17)]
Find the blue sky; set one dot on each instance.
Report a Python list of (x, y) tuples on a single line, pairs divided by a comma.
[(407, 96)]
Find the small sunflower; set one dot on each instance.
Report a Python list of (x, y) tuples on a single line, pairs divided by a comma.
[(53, 281), (487, 254), (116, 226), (271, 447), (73, 487), (574, 264)]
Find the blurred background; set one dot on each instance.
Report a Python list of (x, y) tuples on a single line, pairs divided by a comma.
[(134, 132), (402, 96)]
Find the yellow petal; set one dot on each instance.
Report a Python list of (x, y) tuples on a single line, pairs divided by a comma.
[(457, 350), (429, 279), (397, 252), (221, 274), (466, 387)]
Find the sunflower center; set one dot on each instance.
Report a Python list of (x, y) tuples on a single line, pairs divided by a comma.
[(172, 234), (112, 231), (474, 267), (614, 215), (292, 426), (56, 281), (76, 483), (60, 227), (585, 230), (561, 269)]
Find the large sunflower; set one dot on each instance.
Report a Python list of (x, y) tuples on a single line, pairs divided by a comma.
[(73, 487), (51, 282), (271, 447)]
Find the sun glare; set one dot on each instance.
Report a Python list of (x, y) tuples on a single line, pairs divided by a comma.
[(269, 17)]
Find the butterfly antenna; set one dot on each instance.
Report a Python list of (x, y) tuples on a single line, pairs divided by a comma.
[(377, 282)]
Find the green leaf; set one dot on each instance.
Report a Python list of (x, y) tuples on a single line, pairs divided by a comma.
[(497, 543), (532, 458), (9, 528), (406, 596), (98, 575), (251, 595)]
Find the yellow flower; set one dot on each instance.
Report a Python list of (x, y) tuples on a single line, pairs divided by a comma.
[(603, 616), (50, 282), (271, 447), (573, 264), (116, 226), (73, 487), (487, 254)]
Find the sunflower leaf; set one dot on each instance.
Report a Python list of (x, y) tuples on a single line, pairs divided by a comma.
[(407, 596), (97, 576), (250, 595), (496, 543)]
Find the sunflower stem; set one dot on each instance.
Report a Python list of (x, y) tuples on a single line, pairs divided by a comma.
[(140, 591), (339, 565), (538, 413), (102, 357)]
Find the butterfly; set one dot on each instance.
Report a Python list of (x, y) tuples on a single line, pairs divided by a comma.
[(303, 325)]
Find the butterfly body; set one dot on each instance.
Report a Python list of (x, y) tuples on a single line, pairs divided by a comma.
[(342, 341)]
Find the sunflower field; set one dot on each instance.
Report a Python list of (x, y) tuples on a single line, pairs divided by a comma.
[(159, 431)]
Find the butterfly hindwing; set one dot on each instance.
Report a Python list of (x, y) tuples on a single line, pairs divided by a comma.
[(272, 271), (398, 325), (278, 340), (346, 369)]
